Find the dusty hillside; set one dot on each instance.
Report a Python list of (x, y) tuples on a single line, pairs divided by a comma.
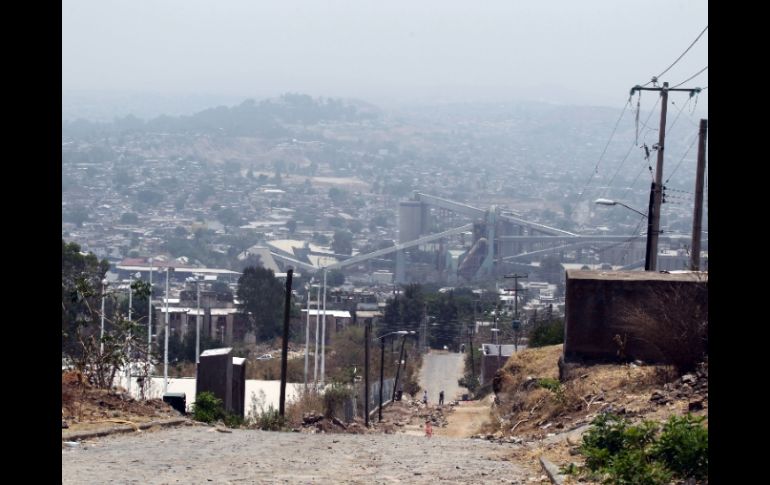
[(86, 409), (533, 405)]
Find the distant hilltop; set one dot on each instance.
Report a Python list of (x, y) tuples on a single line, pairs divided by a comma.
[(267, 118)]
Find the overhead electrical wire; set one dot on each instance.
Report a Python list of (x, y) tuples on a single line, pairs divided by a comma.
[(654, 79), (690, 78), (596, 168), (609, 184)]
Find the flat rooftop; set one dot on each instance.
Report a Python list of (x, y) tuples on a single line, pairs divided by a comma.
[(576, 274)]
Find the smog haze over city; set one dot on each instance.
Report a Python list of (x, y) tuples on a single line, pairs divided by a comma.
[(208, 132)]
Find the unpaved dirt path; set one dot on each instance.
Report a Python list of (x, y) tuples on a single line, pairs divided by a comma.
[(466, 419)]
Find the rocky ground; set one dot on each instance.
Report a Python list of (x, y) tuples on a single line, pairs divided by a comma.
[(199, 454)]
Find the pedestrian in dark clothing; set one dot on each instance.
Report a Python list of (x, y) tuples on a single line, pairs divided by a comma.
[(441, 398)]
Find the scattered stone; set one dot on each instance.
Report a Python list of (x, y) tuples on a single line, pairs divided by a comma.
[(695, 405), (311, 418)]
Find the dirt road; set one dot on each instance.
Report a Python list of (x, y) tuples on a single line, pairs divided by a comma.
[(197, 454), (440, 371)]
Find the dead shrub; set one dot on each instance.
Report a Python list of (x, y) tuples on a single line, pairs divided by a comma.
[(308, 401), (673, 321)]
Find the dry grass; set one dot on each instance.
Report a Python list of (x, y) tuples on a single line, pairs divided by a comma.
[(85, 407), (532, 403), (308, 402)]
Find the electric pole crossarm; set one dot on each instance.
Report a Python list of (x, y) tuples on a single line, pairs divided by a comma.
[(686, 90)]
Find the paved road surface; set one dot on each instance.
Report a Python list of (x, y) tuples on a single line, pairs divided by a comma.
[(441, 370), (199, 455)]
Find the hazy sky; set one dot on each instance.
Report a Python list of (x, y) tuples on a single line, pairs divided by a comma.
[(567, 51)]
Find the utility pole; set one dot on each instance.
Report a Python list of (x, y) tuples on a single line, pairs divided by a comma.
[(698, 211), (398, 369), (470, 343), (367, 337), (382, 373), (658, 188), (516, 322), (307, 331), (149, 321), (165, 338), (323, 337), (648, 252), (317, 322), (130, 304), (285, 346)]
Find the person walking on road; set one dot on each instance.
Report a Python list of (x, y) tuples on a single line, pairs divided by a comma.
[(428, 428), (441, 398), (425, 397)]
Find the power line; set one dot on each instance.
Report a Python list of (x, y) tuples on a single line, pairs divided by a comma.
[(691, 77), (596, 168), (655, 79), (681, 159), (606, 190)]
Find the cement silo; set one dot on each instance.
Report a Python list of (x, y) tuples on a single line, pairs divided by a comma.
[(412, 219)]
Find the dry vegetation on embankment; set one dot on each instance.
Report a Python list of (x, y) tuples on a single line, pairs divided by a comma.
[(532, 404)]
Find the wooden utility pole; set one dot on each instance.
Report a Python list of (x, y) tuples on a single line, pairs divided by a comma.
[(285, 346), (652, 250), (698, 211)]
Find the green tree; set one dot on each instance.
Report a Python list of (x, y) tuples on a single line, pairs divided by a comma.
[(335, 277), (355, 226), (77, 215), (342, 243), (405, 312), (261, 297), (129, 218)]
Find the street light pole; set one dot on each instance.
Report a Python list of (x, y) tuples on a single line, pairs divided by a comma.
[(307, 331), (149, 320), (382, 374), (649, 252), (367, 337), (317, 322), (130, 307), (165, 343), (382, 363), (197, 325), (323, 337)]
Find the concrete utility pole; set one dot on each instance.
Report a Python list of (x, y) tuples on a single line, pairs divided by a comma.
[(516, 323), (165, 338), (101, 333), (367, 337), (698, 211), (382, 375), (317, 322), (285, 345), (658, 188), (307, 331), (323, 337), (398, 369), (198, 324), (149, 320)]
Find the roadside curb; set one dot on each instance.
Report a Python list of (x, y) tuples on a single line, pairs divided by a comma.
[(82, 435), (552, 472)]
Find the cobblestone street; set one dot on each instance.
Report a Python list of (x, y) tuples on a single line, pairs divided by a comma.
[(198, 454)]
